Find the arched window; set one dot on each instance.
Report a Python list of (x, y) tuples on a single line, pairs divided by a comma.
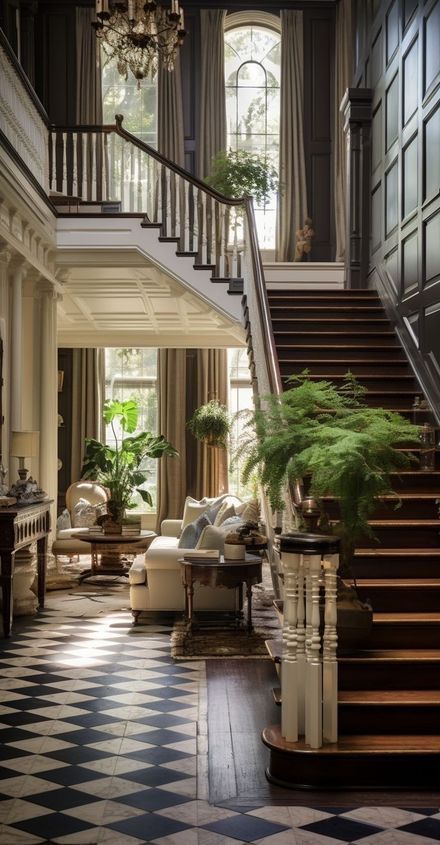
[(252, 78)]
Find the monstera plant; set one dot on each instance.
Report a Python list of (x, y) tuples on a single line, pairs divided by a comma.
[(120, 468)]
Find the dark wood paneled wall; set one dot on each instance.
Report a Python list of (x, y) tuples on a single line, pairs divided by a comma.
[(398, 55)]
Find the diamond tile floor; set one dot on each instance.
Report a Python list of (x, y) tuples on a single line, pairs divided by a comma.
[(103, 740)]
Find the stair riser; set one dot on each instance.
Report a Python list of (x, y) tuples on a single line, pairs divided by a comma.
[(389, 675), (396, 567), (401, 600), (417, 481), (316, 339), (315, 354), (388, 719), (305, 311), (404, 636), (371, 383), (409, 509), (340, 368), (346, 297), (290, 323), (403, 537)]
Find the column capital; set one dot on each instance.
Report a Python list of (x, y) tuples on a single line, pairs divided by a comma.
[(6, 254), (356, 106), (44, 288)]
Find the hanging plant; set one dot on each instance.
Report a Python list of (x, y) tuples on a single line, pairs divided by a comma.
[(211, 424)]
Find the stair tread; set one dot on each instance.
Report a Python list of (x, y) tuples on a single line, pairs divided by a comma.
[(418, 552), (408, 618), (416, 523), (414, 583), (386, 655), (288, 319), (399, 697), (393, 497), (361, 744)]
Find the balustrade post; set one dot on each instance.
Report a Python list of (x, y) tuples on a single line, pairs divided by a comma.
[(356, 107), (309, 679)]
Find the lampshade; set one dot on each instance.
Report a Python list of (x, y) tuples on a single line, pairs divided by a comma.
[(24, 444)]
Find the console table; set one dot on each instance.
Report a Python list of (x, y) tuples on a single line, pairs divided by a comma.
[(19, 527)]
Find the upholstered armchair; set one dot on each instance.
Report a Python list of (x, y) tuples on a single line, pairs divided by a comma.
[(84, 501)]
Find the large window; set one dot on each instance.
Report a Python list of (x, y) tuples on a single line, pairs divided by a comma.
[(252, 77), (132, 374), (138, 104), (240, 399)]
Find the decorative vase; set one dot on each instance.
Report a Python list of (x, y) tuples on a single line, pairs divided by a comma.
[(235, 551)]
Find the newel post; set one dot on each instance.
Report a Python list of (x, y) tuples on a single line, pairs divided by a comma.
[(356, 107)]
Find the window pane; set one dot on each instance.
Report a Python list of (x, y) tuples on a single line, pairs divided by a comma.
[(132, 374), (240, 399)]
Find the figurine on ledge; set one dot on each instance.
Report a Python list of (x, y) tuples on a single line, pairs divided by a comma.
[(27, 492)]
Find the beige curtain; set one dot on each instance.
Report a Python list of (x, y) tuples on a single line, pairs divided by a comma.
[(292, 209), (170, 131), (212, 114), (87, 401), (343, 75), (172, 488), (212, 383), (88, 69)]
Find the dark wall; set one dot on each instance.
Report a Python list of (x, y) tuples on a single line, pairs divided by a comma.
[(398, 55)]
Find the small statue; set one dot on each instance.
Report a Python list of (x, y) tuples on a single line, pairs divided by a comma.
[(304, 240), (27, 491)]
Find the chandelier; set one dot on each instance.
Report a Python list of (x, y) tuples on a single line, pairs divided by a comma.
[(138, 34)]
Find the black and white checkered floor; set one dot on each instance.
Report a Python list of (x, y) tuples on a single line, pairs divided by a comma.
[(103, 740)]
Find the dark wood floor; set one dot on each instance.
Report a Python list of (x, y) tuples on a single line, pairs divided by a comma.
[(240, 705)]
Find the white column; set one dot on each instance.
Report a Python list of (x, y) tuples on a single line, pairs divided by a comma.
[(16, 402), (5, 258), (48, 477)]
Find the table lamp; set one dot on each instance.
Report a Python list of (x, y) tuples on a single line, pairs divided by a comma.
[(24, 444)]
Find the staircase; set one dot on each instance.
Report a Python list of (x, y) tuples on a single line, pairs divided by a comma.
[(389, 695)]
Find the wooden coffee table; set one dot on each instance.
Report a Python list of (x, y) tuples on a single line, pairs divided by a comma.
[(110, 546), (221, 573)]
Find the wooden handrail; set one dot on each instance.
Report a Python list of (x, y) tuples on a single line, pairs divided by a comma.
[(180, 171), (103, 128), (263, 302)]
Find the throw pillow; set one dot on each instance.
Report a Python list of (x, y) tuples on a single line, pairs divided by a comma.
[(193, 508), (232, 522), (225, 512), (191, 533), (212, 538), (251, 512), (64, 522), (85, 514)]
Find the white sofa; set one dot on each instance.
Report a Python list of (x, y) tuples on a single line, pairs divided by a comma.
[(156, 581)]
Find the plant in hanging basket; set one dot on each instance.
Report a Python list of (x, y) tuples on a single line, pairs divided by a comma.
[(211, 424)]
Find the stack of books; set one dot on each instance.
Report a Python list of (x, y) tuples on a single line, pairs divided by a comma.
[(131, 526), (202, 556)]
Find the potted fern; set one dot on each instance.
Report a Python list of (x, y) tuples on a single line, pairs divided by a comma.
[(332, 439), (239, 173), (120, 467), (211, 424)]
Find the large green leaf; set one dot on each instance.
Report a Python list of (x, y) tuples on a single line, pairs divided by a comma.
[(127, 412)]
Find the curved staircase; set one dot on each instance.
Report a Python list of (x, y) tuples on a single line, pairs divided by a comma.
[(389, 695)]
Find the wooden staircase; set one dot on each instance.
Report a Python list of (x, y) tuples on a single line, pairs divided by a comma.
[(389, 695)]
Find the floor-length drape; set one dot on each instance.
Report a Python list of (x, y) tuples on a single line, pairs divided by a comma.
[(343, 74), (212, 383), (170, 131), (88, 68), (172, 487), (87, 401), (292, 209), (212, 112)]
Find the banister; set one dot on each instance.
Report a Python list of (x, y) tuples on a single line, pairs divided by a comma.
[(263, 302), (180, 171), (85, 127), (23, 78)]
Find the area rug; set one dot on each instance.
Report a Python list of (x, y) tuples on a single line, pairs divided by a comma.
[(229, 641)]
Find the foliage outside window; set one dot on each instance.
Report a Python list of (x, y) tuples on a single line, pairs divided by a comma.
[(132, 374), (252, 78), (137, 105), (240, 399)]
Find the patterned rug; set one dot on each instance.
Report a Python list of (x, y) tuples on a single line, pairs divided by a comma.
[(230, 641)]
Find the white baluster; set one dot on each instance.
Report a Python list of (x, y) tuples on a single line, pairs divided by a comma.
[(186, 217), (112, 167), (52, 163), (214, 238), (178, 211), (106, 193), (131, 179), (301, 648), (222, 241), (122, 175), (234, 268), (168, 224), (314, 663), (75, 164), (84, 168), (94, 168), (330, 645), (139, 180), (64, 185), (289, 665), (203, 224)]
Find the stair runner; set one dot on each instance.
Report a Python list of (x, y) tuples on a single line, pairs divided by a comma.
[(389, 695)]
